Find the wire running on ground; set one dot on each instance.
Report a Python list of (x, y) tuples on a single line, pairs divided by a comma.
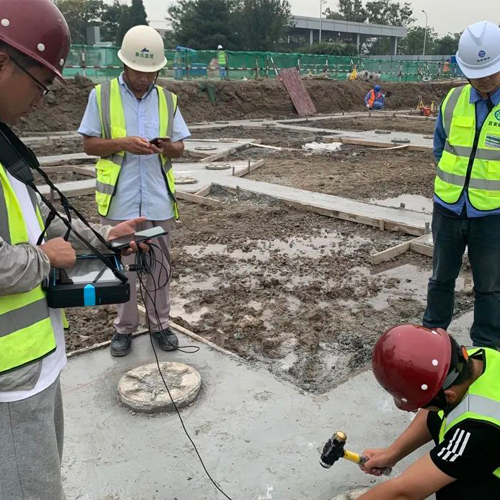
[(145, 264)]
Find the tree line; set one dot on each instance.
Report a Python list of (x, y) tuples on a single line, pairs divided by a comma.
[(253, 25)]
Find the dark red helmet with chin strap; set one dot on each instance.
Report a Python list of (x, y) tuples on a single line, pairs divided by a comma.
[(412, 363), (37, 29)]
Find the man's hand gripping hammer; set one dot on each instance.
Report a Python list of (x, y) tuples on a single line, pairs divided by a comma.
[(334, 450)]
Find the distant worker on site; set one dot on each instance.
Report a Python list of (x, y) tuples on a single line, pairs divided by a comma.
[(136, 127), (222, 60), (458, 395), (467, 188), (375, 99)]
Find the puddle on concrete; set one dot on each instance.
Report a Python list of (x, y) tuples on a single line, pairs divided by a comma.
[(414, 202), (312, 247), (412, 286)]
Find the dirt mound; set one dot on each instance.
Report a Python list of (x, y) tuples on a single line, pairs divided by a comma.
[(64, 108)]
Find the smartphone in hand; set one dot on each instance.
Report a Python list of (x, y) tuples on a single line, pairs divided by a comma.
[(156, 141)]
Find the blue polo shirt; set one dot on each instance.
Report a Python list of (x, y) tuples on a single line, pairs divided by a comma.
[(463, 207), (141, 189)]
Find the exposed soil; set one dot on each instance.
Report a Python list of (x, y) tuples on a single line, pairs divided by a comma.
[(292, 290), (386, 123), (64, 107), (353, 172)]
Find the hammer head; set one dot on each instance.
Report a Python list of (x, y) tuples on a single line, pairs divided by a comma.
[(333, 450)]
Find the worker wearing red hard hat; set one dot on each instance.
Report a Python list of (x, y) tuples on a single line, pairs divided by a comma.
[(457, 391), (34, 45)]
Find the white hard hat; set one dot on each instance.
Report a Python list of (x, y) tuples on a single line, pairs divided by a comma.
[(479, 50), (220, 47), (143, 50)]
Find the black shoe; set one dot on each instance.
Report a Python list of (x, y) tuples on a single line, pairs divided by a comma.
[(121, 344), (167, 340)]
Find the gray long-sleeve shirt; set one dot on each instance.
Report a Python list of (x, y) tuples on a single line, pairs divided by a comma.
[(23, 267)]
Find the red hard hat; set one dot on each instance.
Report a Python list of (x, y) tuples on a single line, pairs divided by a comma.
[(411, 363), (37, 29)]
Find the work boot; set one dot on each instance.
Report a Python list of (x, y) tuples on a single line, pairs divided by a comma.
[(167, 339), (121, 344)]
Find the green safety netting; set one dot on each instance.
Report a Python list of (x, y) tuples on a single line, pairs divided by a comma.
[(101, 63)]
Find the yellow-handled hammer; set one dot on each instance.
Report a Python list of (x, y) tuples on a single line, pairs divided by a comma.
[(334, 450)]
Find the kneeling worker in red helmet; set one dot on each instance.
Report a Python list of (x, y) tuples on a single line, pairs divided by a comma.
[(457, 391)]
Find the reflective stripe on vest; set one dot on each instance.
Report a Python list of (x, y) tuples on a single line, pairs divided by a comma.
[(482, 401), (221, 58), (459, 123), (26, 333), (114, 126)]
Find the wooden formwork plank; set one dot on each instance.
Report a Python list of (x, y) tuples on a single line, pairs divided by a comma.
[(390, 253), (421, 248), (250, 168), (297, 91), (193, 198), (83, 171), (227, 152), (375, 144)]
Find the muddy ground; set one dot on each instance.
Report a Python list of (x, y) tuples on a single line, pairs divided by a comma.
[(386, 123), (292, 290), (64, 107), (353, 172)]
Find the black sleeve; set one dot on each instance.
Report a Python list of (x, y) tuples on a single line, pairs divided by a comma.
[(470, 449)]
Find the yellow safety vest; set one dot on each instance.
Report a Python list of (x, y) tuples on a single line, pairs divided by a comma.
[(222, 58), (114, 126), (482, 401), (26, 333), (471, 158)]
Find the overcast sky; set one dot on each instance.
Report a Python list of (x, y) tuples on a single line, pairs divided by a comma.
[(444, 15)]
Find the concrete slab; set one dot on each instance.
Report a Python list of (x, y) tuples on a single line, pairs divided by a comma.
[(259, 437), (334, 206), (51, 137), (64, 159), (219, 147), (198, 171)]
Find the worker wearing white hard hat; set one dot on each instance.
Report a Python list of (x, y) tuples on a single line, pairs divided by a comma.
[(222, 60), (136, 127), (467, 188)]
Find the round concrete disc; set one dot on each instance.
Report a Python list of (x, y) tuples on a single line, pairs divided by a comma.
[(428, 137), (205, 148), (185, 180), (218, 166), (143, 391), (351, 495)]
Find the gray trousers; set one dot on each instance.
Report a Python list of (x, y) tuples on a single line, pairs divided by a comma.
[(31, 446), (127, 320)]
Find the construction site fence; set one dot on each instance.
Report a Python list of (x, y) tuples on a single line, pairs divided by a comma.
[(102, 63)]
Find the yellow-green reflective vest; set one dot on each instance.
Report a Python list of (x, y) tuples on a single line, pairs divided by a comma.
[(471, 158), (114, 126), (26, 333), (222, 58), (482, 401)]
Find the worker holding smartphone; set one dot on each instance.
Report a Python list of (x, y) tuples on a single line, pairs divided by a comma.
[(136, 127)]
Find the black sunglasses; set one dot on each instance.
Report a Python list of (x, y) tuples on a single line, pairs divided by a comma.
[(44, 89)]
